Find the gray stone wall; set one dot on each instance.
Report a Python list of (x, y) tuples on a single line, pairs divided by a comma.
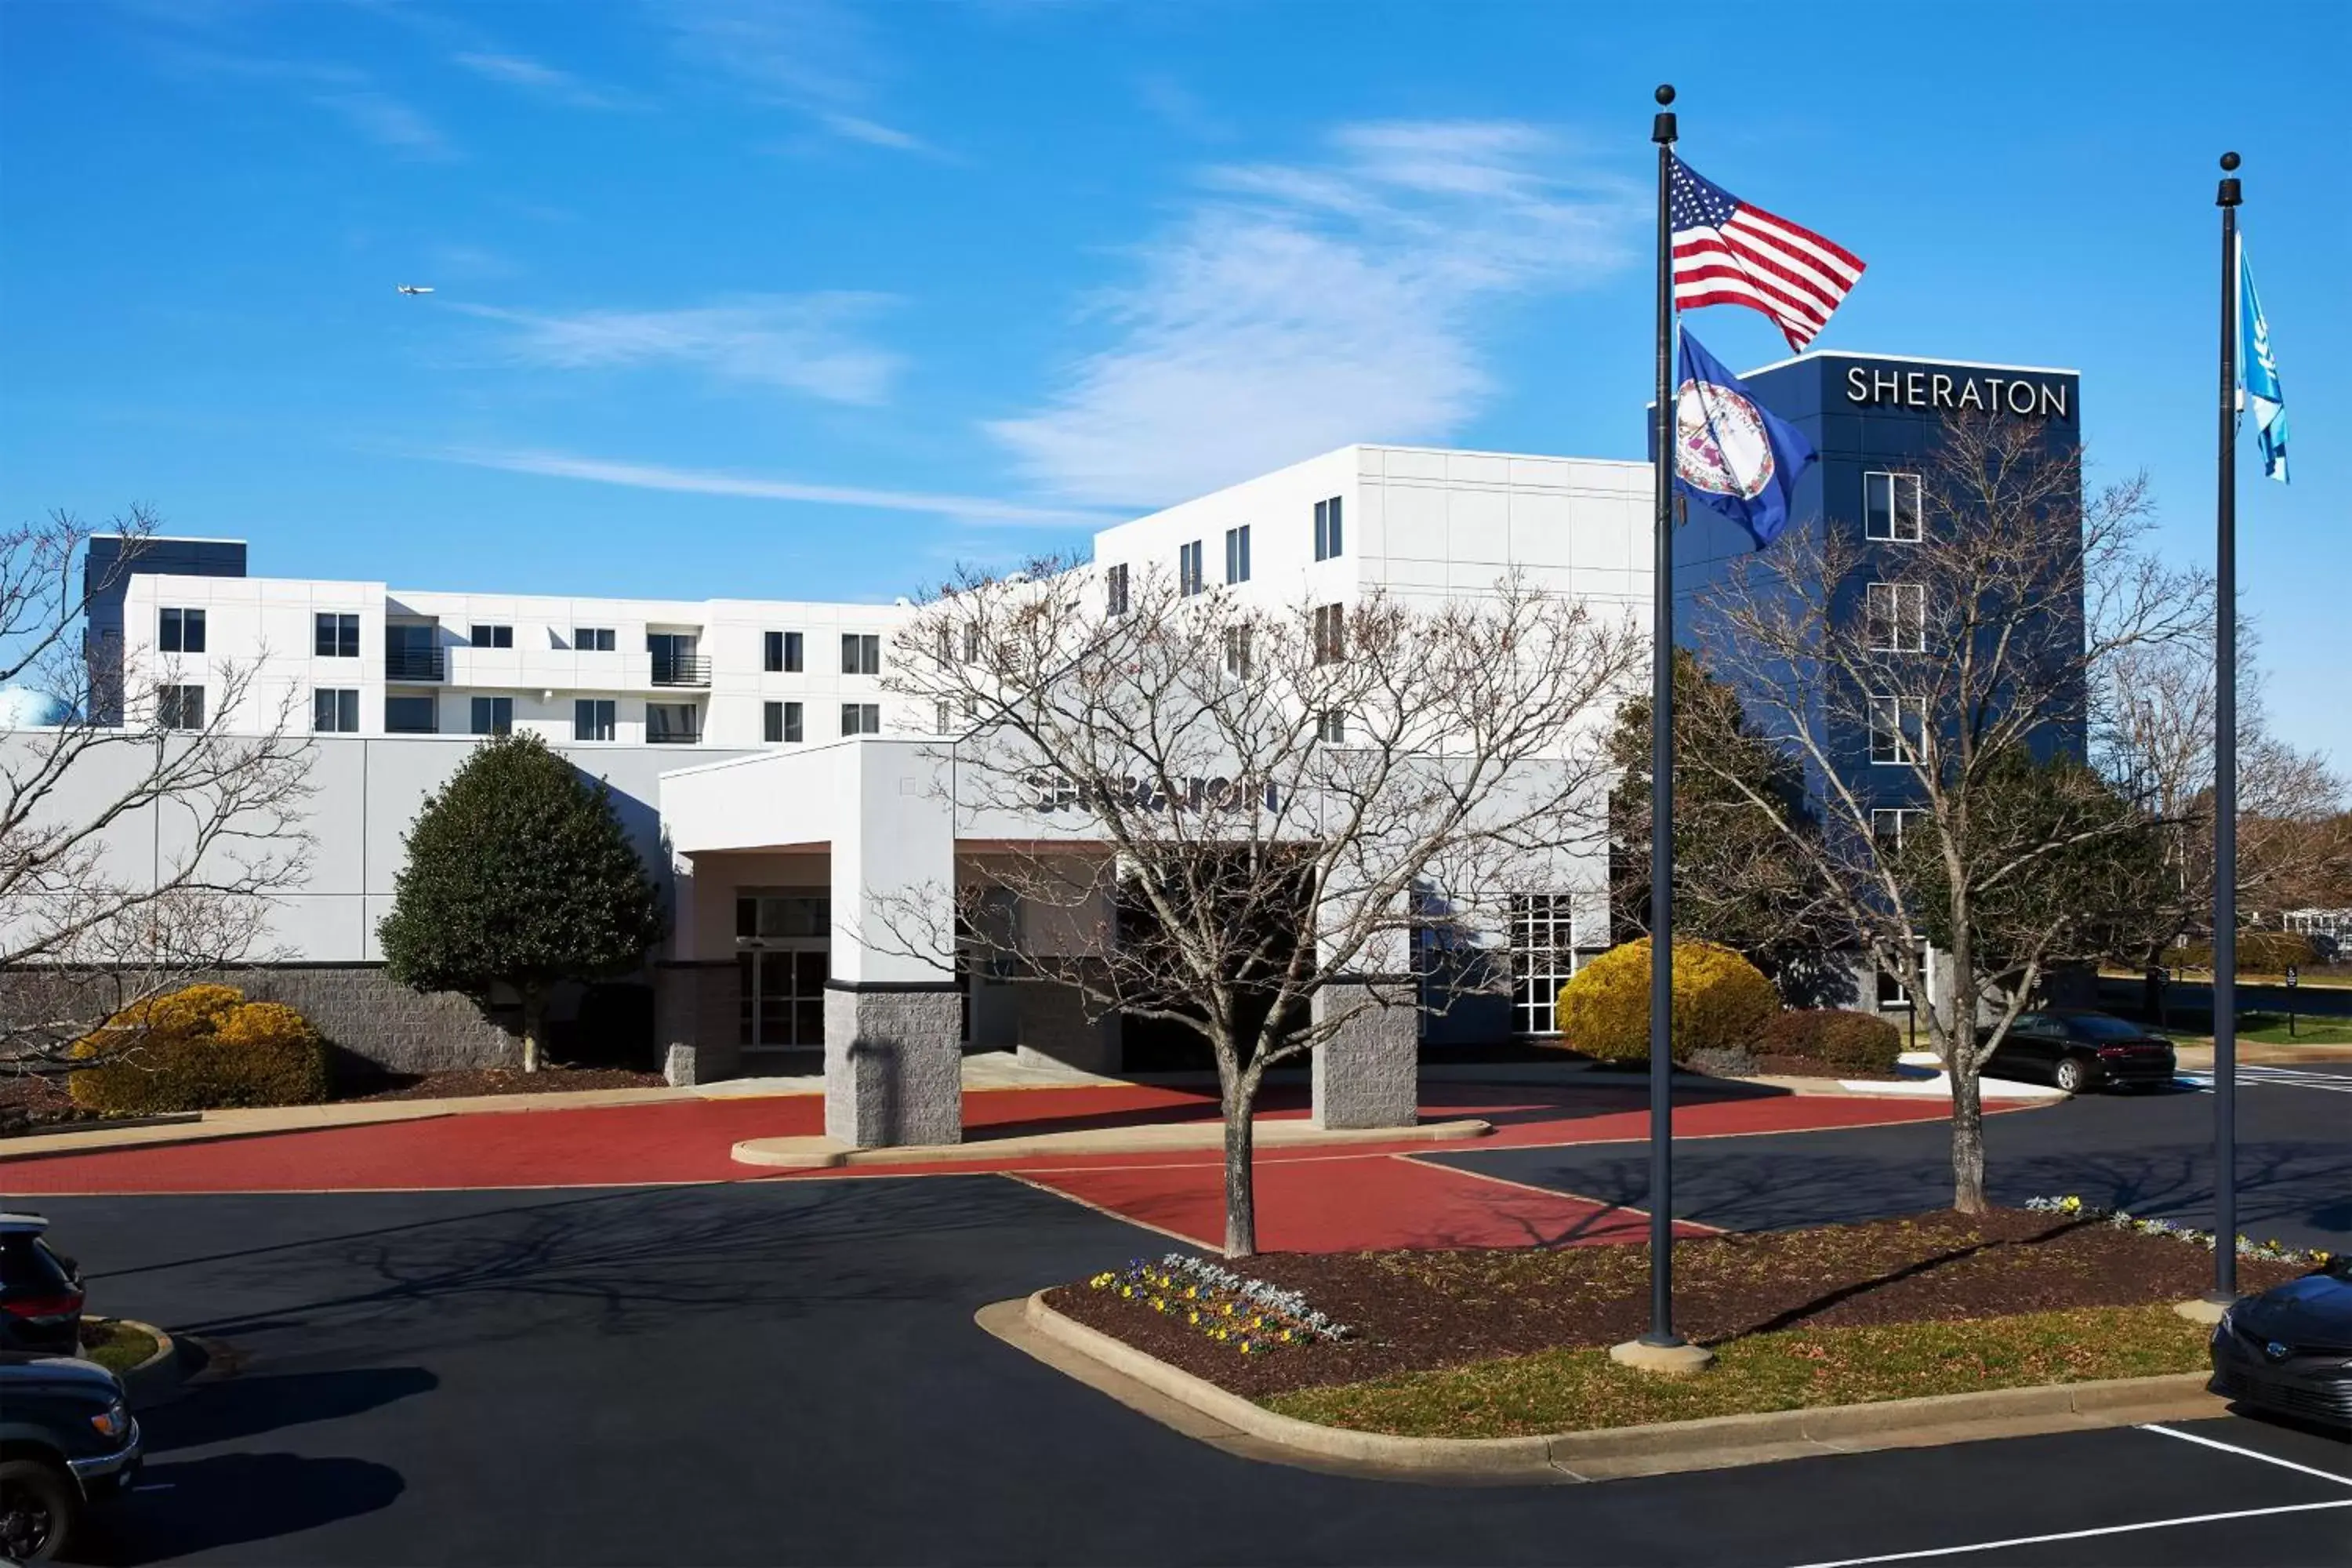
[(1054, 1027), (699, 1023), (361, 1011), (893, 1067)]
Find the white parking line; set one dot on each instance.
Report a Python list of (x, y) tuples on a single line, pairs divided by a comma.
[(2127, 1528), (2341, 1480), (2081, 1534), (2291, 1078)]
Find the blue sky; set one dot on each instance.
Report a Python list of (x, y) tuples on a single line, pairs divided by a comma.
[(814, 300)]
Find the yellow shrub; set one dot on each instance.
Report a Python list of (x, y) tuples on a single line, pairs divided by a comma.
[(1721, 1002), (200, 1049)]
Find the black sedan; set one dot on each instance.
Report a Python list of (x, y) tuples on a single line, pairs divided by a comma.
[(2078, 1050), (67, 1440), (2289, 1349)]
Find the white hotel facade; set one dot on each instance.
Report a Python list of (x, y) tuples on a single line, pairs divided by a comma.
[(752, 748)]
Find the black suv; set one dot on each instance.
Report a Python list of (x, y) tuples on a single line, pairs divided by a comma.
[(69, 1441), (2080, 1050), (40, 1290)]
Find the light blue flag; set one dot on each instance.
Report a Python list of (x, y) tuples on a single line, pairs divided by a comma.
[(2258, 372)]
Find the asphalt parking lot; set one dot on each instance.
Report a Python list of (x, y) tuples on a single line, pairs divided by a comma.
[(2150, 1152), (789, 1373)]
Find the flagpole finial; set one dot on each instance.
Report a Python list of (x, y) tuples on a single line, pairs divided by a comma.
[(2229, 160), (1666, 95), (1661, 125), (2229, 196)]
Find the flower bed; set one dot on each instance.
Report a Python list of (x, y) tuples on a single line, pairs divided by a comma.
[(1419, 1312), (1251, 1317), (2271, 1251)]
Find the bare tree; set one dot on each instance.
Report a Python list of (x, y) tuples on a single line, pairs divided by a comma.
[(1253, 821), (1952, 673), (143, 831), (2157, 724)]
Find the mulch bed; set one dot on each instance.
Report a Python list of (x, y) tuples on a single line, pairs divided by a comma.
[(506, 1081), (1418, 1311)]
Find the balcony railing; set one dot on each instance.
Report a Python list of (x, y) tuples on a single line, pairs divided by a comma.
[(414, 664), (681, 669), (673, 737)]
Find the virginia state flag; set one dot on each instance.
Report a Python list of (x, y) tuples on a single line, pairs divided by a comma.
[(1730, 454), (2258, 372)]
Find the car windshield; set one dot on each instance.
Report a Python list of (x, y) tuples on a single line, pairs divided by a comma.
[(2099, 1027)]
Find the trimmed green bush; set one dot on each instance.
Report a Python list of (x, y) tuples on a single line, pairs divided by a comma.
[(1860, 1043), (2259, 953), (204, 1048), (1721, 1002)]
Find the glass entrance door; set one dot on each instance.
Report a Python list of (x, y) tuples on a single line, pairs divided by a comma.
[(784, 953)]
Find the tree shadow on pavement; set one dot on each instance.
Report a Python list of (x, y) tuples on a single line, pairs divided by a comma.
[(229, 1500)]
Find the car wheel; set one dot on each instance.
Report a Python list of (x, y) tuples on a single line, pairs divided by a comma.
[(2073, 1075), (37, 1510)]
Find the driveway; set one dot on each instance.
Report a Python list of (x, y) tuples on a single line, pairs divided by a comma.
[(789, 1373)]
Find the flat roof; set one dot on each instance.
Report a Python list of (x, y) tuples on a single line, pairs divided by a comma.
[(1906, 359)]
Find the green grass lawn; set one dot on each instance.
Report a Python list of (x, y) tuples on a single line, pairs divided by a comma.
[(122, 1348), (1576, 1390), (2271, 1029)]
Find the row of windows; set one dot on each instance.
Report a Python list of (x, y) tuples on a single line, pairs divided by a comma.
[(336, 635), (1192, 575), (336, 711)]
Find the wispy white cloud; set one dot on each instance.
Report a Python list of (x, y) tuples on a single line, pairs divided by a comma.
[(979, 510), (815, 57), (803, 342), (1300, 306), (538, 79), (344, 92)]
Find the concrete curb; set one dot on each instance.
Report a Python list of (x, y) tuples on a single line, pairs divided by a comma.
[(1609, 1453), (817, 1153)]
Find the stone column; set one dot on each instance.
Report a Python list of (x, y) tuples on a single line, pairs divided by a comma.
[(1368, 1073), (893, 1016)]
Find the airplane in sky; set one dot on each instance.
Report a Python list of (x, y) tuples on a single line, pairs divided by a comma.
[(415, 288)]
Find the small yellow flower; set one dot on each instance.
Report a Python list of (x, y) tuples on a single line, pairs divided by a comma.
[(1192, 1316)]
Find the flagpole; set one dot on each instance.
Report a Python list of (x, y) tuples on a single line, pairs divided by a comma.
[(1662, 1333), (2225, 771)]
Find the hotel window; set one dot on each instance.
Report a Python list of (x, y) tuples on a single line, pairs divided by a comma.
[(1114, 590), (1332, 727), (489, 636), (672, 724), (1543, 955), (1188, 569), (180, 707), (1889, 825), (781, 654), (1898, 617), (1895, 724), (182, 631), (1237, 652), (1327, 530), (1237, 554), (335, 710), (1891, 507), (412, 715), (591, 718), (335, 635), (861, 654), (593, 639), (1893, 994), (1330, 632), (782, 723), (861, 718), (493, 716)]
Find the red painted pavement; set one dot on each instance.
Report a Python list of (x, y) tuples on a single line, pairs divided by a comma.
[(1308, 1198)]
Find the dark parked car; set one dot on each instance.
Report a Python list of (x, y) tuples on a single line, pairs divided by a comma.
[(66, 1441), (2079, 1049), (40, 1290), (2289, 1349)]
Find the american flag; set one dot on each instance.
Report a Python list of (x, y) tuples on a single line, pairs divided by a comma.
[(1729, 253)]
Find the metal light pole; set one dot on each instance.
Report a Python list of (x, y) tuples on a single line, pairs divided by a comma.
[(2225, 771), (1662, 1333)]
